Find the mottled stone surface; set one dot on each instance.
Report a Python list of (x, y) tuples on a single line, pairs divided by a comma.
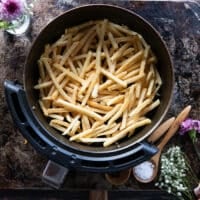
[(179, 25)]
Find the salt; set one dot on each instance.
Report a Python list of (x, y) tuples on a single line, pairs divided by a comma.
[(144, 171)]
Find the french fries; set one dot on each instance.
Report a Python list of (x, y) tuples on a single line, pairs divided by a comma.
[(97, 82)]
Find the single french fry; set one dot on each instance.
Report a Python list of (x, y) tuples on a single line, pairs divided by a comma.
[(142, 67), (78, 109), (92, 140), (61, 91), (95, 91), (142, 96), (120, 111), (115, 100), (131, 97), (124, 119), (111, 64), (110, 82), (74, 94), (55, 110), (83, 41), (158, 78), (88, 43), (124, 39), (75, 128), (109, 131), (123, 132), (140, 107), (138, 89), (90, 89), (86, 63), (41, 69), (49, 83), (47, 50), (134, 120), (149, 76), (150, 88), (124, 29), (151, 106), (114, 78), (132, 60), (99, 106), (96, 110), (85, 122), (112, 40), (112, 112), (68, 53), (135, 78), (69, 74), (59, 122), (56, 116), (77, 28), (55, 94), (114, 30), (85, 85), (57, 127), (75, 120), (120, 52), (43, 85), (81, 134), (43, 108), (128, 51)]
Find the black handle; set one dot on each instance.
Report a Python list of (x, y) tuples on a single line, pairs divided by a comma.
[(137, 154), (16, 100), (46, 145), (141, 152), (30, 128)]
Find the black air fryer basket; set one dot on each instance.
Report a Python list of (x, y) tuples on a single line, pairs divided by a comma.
[(23, 99)]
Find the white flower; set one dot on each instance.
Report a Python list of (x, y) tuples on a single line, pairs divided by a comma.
[(179, 194), (173, 175)]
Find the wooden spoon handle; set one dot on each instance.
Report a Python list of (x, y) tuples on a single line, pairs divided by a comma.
[(161, 130), (175, 126)]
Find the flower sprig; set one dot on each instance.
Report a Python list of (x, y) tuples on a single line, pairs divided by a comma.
[(192, 127), (13, 10), (176, 176)]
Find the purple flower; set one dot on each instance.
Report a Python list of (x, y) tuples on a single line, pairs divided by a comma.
[(189, 125), (196, 125), (11, 9)]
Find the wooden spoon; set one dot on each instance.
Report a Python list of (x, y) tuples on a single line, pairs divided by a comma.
[(172, 130), (158, 133), (121, 177), (118, 178)]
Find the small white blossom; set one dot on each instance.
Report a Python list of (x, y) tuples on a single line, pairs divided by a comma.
[(173, 172), (179, 194)]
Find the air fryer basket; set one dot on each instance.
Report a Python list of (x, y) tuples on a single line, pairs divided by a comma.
[(23, 101)]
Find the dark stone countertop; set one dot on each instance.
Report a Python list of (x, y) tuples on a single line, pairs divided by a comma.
[(179, 25)]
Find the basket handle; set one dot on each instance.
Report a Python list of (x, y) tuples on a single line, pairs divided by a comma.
[(39, 139), (18, 106)]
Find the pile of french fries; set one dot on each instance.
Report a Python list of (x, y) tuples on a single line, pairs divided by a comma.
[(97, 82)]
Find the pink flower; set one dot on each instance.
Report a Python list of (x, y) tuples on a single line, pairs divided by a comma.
[(192, 127), (189, 125), (11, 9)]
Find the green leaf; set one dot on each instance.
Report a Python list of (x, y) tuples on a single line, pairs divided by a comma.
[(193, 135), (4, 25)]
